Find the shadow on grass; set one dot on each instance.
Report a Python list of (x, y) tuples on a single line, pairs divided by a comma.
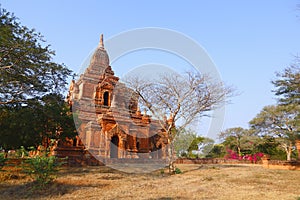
[(213, 166), (168, 198), (88, 169), (31, 191)]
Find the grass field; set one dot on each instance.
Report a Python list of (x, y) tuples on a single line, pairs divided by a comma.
[(232, 182)]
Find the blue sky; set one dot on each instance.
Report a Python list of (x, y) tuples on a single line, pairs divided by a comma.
[(247, 40)]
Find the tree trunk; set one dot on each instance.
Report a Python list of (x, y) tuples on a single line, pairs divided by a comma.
[(289, 152), (298, 148), (171, 158), (239, 151)]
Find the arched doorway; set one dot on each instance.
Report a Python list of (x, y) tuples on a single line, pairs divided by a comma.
[(114, 147), (159, 152)]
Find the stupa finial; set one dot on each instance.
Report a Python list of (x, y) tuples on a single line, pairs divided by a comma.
[(101, 44)]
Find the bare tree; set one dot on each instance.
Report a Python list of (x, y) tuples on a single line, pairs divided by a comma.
[(185, 98)]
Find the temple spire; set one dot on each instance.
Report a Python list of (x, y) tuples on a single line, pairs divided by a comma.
[(101, 41)]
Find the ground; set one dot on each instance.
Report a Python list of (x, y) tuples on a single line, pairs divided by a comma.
[(196, 182)]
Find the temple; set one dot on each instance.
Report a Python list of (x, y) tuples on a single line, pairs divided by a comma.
[(109, 122)]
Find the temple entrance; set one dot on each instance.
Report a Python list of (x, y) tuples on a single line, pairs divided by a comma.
[(114, 147), (159, 152)]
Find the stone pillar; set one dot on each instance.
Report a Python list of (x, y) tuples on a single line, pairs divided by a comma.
[(265, 161), (88, 139), (100, 144), (121, 148), (134, 150), (134, 142), (107, 148)]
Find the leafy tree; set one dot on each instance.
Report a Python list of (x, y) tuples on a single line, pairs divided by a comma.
[(31, 107), (26, 67), (270, 146), (241, 140), (42, 168), (2, 160), (194, 145), (18, 127), (288, 90), (279, 122), (56, 121), (205, 147), (183, 141), (218, 151), (36, 122), (288, 85)]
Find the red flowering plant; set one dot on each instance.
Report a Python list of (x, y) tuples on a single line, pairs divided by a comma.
[(253, 158)]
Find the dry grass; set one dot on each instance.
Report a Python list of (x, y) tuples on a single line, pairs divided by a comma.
[(197, 182)]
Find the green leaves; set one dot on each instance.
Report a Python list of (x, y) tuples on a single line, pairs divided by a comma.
[(41, 168), (288, 85), (243, 141), (2, 160), (282, 121), (278, 120), (26, 67), (31, 104), (29, 125)]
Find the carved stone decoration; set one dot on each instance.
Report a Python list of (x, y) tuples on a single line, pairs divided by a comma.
[(111, 123)]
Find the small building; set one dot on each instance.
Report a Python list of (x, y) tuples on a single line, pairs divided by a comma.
[(109, 122)]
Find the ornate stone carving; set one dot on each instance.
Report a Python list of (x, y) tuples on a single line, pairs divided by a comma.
[(107, 108)]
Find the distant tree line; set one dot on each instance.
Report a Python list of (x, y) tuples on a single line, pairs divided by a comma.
[(274, 131)]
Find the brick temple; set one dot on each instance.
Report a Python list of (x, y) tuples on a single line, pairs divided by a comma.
[(109, 122)]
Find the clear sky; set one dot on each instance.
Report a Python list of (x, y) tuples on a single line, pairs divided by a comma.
[(247, 40)]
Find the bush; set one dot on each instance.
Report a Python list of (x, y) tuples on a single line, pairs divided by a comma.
[(2, 160), (42, 168), (178, 171), (22, 152)]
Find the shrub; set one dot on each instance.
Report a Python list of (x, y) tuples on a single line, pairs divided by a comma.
[(42, 168), (2, 160), (22, 152), (178, 171)]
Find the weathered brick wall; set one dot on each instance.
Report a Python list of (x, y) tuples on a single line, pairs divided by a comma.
[(212, 161), (281, 164)]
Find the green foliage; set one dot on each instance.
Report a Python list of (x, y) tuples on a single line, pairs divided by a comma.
[(288, 85), (51, 119), (182, 142), (192, 155), (177, 171), (162, 171), (242, 141), (42, 168), (26, 68), (194, 144), (270, 146), (22, 152), (187, 141), (17, 128), (30, 88), (218, 151), (205, 147), (280, 122), (2, 160)]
